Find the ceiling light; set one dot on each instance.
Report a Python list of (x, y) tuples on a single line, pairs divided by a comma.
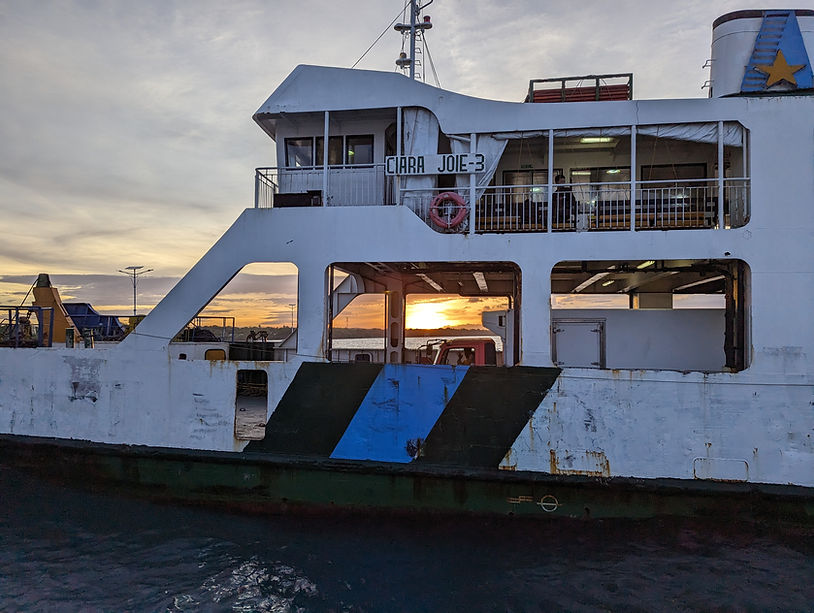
[(609, 282), (646, 264), (481, 281), (581, 173), (595, 139), (614, 171), (697, 283), (590, 281)]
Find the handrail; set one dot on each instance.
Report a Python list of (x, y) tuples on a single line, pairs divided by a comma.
[(597, 79), (606, 205), (22, 338), (347, 185), (321, 167)]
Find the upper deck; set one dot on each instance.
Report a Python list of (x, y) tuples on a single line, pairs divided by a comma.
[(625, 165)]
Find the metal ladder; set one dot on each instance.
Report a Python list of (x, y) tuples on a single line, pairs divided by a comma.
[(766, 46)]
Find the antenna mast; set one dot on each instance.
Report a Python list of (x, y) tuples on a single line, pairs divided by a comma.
[(415, 30)]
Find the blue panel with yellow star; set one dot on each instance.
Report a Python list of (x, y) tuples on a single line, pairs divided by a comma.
[(779, 55)]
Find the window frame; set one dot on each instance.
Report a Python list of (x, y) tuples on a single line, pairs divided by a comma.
[(347, 152), (291, 140), (317, 150)]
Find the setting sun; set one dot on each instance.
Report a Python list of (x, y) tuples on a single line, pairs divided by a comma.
[(429, 315)]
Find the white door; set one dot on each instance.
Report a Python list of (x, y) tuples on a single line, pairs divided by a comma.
[(578, 343)]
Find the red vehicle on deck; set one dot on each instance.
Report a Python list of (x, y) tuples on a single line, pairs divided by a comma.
[(467, 352)]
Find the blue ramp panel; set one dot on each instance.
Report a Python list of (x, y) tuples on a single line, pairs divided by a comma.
[(398, 412)]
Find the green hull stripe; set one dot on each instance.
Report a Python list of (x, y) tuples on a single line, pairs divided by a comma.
[(262, 482)]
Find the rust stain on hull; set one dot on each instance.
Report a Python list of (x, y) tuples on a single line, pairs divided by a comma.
[(508, 463), (585, 463)]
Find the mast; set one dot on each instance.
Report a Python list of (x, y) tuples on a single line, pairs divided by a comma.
[(415, 30)]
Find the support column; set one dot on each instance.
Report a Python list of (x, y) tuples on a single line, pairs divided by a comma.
[(534, 334), (325, 133), (394, 317), (399, 152), (632, 178), (312, 310)]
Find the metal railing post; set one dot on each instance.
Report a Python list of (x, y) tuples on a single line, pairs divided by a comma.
[(325, 160), (550, 190), (633, 178), (256, 187), (472, 187), (721, 224)]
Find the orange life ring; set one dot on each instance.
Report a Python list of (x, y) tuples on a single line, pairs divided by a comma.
[(440, 200)]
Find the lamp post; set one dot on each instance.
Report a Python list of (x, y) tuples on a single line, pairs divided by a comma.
[(292, 305), (134, 272)]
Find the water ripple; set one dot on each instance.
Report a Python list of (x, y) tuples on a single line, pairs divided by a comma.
[(65, 550)]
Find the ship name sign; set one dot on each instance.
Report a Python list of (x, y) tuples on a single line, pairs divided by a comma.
[(435, 164)]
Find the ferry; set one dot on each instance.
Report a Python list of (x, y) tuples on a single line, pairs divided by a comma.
[(572, 200)]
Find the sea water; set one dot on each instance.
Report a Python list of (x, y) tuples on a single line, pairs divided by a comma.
[(68, 550)]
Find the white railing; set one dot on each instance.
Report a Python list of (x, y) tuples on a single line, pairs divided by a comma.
[(516, 208), (594, 206), (663, 205), (659, 205), (363, 185)]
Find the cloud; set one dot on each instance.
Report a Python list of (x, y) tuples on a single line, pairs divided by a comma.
[(126, 126)]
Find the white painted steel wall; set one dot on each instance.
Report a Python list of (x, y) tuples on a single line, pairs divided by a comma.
[(138, 398), (657, 423), (671, 339)]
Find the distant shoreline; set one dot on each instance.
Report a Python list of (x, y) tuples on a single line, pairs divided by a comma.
[(350, 333)]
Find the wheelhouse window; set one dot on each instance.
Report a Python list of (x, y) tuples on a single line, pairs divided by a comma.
[(359, 149), (334, 150), (299, 152), (342, 150)]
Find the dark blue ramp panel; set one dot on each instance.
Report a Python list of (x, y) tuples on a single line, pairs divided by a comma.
[(398, 412), (486, 414), (316, 409)]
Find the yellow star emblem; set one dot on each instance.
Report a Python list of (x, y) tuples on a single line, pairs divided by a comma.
[(779, 70)]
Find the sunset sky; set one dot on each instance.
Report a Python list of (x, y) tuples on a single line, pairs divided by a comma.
[(127, 136)]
